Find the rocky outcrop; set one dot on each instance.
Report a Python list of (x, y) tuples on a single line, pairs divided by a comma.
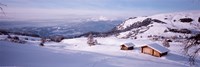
[(186, 20), (159, 21), (186, 31)]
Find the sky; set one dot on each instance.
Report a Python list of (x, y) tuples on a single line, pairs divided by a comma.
[(76, 10)]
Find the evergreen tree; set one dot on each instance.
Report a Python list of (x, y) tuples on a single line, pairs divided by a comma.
[(166, 43), (90, 40)]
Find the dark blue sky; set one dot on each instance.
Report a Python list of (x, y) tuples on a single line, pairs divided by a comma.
[(58, 10)]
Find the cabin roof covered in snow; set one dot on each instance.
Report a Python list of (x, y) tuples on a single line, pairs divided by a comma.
[(157, 47), (128, 44)]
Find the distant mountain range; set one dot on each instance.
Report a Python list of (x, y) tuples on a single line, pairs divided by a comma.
[(64, 29), (167, 25)]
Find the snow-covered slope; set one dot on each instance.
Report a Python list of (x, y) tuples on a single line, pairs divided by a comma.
[(76, 53), (169, 24)]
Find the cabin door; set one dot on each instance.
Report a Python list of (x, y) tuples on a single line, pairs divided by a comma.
[(155, 53), (148, 50)]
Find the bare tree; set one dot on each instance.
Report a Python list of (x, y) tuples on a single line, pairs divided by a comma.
[(1, 8), (192, 48)]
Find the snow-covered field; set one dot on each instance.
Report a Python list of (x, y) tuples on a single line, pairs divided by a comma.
[(76, 53)]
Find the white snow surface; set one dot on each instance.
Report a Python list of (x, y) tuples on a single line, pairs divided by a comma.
[(76, 53), (157, 47), (129, 44)]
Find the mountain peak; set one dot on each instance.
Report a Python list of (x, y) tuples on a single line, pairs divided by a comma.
[(167, 25)]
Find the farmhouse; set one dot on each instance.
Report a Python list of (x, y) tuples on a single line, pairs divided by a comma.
[(127, 46), (154, 49)]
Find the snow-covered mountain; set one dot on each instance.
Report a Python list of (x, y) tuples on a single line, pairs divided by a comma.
[(170, 24), (100, 18)]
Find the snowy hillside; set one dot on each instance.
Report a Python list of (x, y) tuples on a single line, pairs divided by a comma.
[(77, 53), (170, 24)]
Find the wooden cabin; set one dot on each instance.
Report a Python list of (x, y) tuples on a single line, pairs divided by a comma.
[(154, 49), (127, 46)]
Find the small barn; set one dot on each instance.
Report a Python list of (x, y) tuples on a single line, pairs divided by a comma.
[(127, 46), (154, 49)]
